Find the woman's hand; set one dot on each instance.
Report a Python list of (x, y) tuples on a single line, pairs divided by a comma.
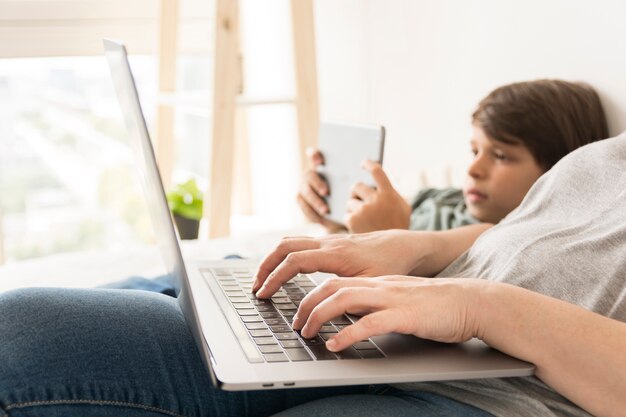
[(311, 195), (379, 208), (388, 252), (438, 309), (363, 255), (575, 351)]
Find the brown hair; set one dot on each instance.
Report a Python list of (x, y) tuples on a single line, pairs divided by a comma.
[(550, 117)]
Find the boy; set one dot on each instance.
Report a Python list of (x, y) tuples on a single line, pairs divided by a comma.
[(520, 131)]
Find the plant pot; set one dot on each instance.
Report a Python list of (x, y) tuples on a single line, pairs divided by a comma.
[(187, 228)]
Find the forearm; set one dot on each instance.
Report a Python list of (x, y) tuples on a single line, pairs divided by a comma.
[(443, 247), (578, 353)]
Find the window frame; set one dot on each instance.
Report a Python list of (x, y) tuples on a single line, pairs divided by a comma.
[(45, 28)]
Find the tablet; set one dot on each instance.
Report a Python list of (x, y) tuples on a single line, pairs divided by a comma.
[(344, 147)]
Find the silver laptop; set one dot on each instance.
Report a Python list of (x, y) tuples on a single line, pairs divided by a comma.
[(247, 343)]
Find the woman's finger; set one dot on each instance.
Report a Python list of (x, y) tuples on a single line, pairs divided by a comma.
[(298, 262), (374, 324), (322, 292), (351, 300), (277, 256), (402, 280)]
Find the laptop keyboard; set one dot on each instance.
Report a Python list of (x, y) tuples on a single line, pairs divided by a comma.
[(268, 321)]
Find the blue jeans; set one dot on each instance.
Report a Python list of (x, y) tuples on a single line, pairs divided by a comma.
[(104, 352), (164, 284)]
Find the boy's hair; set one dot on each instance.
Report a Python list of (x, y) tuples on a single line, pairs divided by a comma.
[(550, 117)]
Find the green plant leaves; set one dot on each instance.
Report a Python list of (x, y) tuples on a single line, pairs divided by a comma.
[(186, 200)]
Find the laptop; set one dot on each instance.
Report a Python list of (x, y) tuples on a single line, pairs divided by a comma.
[(247, 343)]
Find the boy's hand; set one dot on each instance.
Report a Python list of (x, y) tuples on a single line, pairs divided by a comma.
[(377, 208), (312, 190)]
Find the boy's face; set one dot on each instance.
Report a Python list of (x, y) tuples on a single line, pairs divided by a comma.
[(498, 178)]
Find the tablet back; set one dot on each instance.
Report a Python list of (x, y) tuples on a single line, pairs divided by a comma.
[(344, 147)]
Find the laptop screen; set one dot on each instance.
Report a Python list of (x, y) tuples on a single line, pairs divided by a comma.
[(145, 159), (153, 190)]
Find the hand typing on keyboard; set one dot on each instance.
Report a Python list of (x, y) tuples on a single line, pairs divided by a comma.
[(363, 255), (268, 322), (436, 309), (439, 309)]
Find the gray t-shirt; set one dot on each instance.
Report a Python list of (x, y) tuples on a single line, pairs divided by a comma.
[(566, 240)]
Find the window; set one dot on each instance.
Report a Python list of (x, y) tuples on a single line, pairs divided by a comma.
[(66, 173), (67, 180)]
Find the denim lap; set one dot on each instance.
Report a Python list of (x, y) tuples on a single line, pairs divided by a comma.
[(392, 403), (104, 352), (130, 347), (111, 351)]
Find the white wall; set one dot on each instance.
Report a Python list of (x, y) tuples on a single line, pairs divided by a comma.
[(420, 66)]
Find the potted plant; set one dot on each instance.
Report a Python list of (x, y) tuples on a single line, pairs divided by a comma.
[(185, 202)]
